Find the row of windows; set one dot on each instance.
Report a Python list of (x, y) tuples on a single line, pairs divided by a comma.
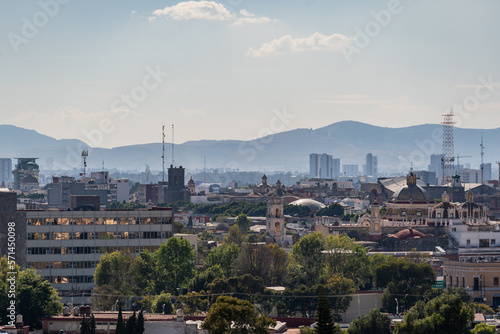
[(70, 279), (483, 242), (99, 221), (97, 235), (477, 282), (404, 212), (74, 293), (62, 265), (87, 250)]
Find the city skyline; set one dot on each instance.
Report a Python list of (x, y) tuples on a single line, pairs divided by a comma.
[(229, 69)]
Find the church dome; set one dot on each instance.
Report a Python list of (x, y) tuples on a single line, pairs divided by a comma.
[(29, 179), (411, 192), (312, 204)]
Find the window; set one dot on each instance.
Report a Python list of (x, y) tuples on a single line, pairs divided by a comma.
[(493, 241), (468, 242), (484, 242), (495, 280), (463, 282), (476, 283)]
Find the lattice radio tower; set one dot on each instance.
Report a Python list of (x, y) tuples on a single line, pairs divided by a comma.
[(448, 158)]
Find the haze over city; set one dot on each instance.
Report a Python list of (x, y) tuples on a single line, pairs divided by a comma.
[(223, 70)]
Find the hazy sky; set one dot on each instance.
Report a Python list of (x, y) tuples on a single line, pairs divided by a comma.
[(112, 72)]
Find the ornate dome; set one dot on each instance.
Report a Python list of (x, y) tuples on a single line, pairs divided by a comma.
[(312, 204), (29, 179), (411, 192)]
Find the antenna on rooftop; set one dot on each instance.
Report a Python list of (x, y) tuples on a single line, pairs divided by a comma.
[(172, 145), (163, 153), (85, 154), (482, 158)]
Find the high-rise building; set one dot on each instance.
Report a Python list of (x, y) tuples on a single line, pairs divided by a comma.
[(371, 165), (5, 170), (486, 172), (313, 165), (436, 165), (350, 170), (320, 166), (336, 167), (428, 177)]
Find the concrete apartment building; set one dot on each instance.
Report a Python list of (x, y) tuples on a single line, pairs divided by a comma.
[(99, 183), (65, 246)]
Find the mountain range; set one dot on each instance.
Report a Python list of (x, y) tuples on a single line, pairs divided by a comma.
[(397, 149)]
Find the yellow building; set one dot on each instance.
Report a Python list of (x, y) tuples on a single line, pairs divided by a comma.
[(478, 274)]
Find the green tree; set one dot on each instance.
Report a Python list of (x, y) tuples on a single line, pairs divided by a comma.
[(139, 326), (115, 274), (202, 279), (131, 324), (232, 315), (483, 308), (92, 324), (325, 323), (344, 257), (305, 268), (333, 210), (175, 263), (194, 302), (35, 297), (85, 326), (268, 262), (163, 304), (404, 280), (483, 328), (120, 326), (446, 314), (243, 222), (372, 323), (224, 256), (235, 235), (178, 227)]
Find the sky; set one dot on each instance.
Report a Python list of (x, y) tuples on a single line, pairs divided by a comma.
[(112, 73)]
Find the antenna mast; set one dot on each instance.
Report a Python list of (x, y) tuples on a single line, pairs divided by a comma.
[(172, 145), (85, 154), (163, 153), (482, 161), (448, 157)]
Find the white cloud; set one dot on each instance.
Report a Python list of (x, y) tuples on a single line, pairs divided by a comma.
[(207, 10), (288, 44)]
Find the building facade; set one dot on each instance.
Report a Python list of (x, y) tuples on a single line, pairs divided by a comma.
[(65, 246), (5, 170)]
